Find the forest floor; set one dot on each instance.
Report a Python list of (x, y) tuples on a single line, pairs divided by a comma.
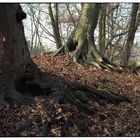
[(121, 119)]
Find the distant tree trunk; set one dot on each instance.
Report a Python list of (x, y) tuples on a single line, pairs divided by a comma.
[(55, 24), (111, 32), (102, 28), (131, 35)]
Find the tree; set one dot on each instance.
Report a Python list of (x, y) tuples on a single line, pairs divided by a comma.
[(83, 38), (131, 34), (55, 24), (68, 18), (38, 27), (19, 74), (102, 29)]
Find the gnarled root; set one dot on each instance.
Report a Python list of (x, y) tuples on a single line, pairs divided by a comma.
[(9, 93)]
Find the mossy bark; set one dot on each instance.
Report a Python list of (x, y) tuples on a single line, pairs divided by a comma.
[(85, 31), (83, 38)]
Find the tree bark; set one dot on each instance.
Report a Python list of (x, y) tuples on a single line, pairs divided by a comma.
[(15, 61), (83, 38), (84, 33), (55, 24), (102, 29)]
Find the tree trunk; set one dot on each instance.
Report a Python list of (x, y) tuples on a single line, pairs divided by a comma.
[(111, 32), (102, 29), (14, 58), (131, 35), (55, 24), (83, 38), (16, 65)]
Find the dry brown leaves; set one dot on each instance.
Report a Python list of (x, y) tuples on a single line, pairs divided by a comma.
[(111, 119)]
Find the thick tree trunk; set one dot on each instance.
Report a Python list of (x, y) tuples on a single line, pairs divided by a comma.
[(16, 65), (15, 56), (83, 38), (85, 31)]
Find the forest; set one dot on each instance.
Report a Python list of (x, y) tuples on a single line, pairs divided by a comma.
[(69, 69)]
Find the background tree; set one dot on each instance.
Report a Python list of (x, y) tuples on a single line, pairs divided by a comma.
[(83, 37), (55, 24), (116, 28), (42, 24), (131, 34), (36, 42), (102, 30), (113, 32)]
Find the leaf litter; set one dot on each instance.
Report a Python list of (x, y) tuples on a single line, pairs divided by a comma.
[(121, 119)]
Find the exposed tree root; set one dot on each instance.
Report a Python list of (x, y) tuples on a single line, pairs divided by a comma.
[(37, 83), (75, 92), (8, 93), (81, 106), (59, 89), (26, 126), (17, 97), (89, 54), (3, 102), (59, 51), (48, 121), (64, 128), (108, 95), (85, 50)]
